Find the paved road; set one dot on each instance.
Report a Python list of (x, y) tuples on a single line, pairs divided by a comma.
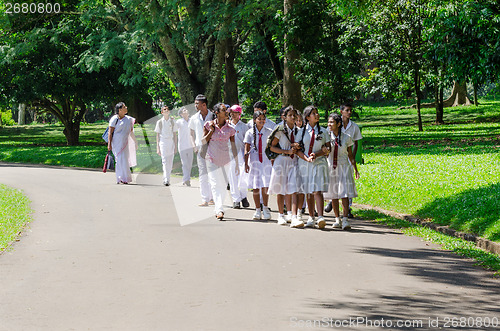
[(101, 256)]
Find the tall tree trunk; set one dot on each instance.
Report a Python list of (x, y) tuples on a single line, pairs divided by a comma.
[(21, 117), (273, 55), (416, 80), (292, 88), (476, 103), (458, 95), (140, 107), (231, 79), (439, 105)]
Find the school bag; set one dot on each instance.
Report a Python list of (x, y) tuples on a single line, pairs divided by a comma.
[(270, 154), (106, 132)]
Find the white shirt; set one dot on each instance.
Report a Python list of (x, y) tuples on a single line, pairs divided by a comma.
[(184, 140), (318, 142), (166, 128), (352, 130), (269, 124), (241, 128), (196, 123)]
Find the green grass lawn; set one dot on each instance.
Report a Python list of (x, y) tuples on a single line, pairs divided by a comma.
[(448, 173), (14, 214)]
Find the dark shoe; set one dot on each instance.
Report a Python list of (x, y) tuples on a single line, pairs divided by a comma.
[(303, 210), (245, 203), (166, 184), (349, 214), (228, 187), (220, 216), (328, 207), (236, 205)]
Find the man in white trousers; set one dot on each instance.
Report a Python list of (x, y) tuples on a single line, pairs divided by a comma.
[(185, 145), (196, 123)]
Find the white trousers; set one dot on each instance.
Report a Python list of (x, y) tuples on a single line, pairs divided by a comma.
[(167, 159), (205, 191), (187, 163), (218, 177), (237, 193)]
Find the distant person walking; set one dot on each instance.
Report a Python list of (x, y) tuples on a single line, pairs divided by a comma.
[(166, 140), (121, 140), (185, 145)]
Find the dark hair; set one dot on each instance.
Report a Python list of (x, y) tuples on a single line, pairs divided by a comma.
[(345, 105), (338, 119), (261, 105), (202, 98), (255, 116), (299, 115), (218, 107), (118, 106), (282, 111), (307, 112)]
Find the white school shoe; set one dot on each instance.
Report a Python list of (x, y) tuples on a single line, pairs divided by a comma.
[(281, 220), (345, 224), (310, 222), (320, 222), (266, 214), (296, 223), (288, 217), (299, 215), (337, 224), (257, 215)]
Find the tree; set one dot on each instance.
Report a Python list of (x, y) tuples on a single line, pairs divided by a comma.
[(292, 88), (39, 56)]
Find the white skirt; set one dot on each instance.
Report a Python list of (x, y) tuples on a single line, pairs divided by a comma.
[(342, 183), (284, 176), (258, 176), (313, 176)]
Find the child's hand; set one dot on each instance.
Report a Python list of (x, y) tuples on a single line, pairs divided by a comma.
[(158, 151), (247, 168), (312, 157), (357, 174), (237, 170)]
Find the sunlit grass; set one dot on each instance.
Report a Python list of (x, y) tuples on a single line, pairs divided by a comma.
[(14, 214)]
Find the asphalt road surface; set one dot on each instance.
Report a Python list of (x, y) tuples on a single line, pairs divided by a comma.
[(101, 256)]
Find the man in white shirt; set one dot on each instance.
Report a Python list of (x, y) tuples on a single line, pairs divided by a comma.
[(196, 123), (165, 142), (261, 105)]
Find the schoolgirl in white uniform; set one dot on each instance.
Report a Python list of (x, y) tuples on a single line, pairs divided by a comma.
[(342, 184), (313, 166), (166, 141), (238, 191), (257, 166), (284, 173)]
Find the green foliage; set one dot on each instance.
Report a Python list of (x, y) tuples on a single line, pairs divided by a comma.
[(15, 213), (6, 117)]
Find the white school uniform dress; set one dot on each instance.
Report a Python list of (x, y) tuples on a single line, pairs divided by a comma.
[(259, 175), (238, 192), (185, 147), (166, 129), (196, 123), (269, 124), (313, 175), (284, 174), (342, 183), (354, 132)]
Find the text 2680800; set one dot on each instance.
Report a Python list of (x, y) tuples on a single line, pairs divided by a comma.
[(32, 8)]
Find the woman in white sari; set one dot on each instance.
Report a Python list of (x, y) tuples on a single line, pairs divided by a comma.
[(123, 143)]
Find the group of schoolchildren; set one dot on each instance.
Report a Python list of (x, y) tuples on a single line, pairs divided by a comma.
[(297, 160)]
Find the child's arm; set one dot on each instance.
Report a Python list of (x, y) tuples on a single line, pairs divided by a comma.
[(193, 140), (277, 150), (207, 133), (245, 157), (158, 144), (353, 162)]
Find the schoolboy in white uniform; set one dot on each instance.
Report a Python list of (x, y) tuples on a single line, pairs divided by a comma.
[(185, 145)]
